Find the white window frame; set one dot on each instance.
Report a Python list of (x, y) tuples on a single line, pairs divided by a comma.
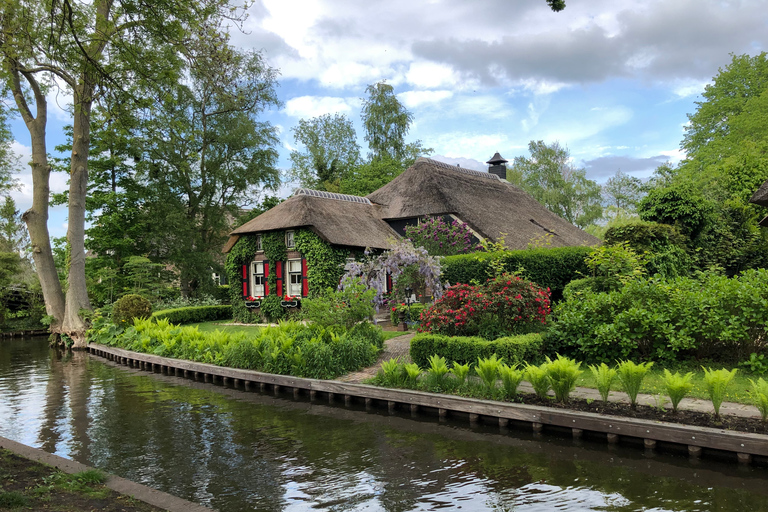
[(258, 293), (291, 288), (259, 247), (290, 241)]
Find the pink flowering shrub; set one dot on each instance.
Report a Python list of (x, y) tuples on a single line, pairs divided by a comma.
[(503, 306)]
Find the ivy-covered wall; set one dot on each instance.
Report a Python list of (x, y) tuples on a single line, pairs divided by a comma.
[(325, 266), (325, 263)]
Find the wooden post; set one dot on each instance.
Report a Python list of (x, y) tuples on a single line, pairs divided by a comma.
[(391, 406), (503, 423), (612, 438), (537, 427), (347, 400), (577, 433), (744, 458), (368, 404)]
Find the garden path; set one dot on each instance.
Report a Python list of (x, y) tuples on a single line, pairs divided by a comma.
[(399, 346)]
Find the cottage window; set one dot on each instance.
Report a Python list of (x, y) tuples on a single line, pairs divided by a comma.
[(258, 243), (294, 278), (257, 279), (289, 243)]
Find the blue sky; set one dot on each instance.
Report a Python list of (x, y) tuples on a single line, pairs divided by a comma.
[(612, 80)]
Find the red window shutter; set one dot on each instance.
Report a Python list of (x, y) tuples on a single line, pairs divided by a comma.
[(245, 281), (304, 282), (389, 283), (279, 274), (266, 280)]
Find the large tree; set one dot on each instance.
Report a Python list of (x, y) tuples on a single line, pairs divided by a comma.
[(552, 179), (90, 49), (330, 151)]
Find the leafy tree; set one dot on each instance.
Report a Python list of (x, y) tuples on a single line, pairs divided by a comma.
[(387, 122), (623, 191), (550, 177), (13, 234), (92, 48), (370, 176), (330, 151)]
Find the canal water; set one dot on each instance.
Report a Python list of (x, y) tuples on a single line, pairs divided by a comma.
[(236, 450)]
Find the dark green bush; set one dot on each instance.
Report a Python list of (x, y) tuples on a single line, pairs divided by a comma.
[(411, 312), (549, 268), (712, 316), (130, 306), (221, 293), (467, 349), (666, 250), (194, 314)]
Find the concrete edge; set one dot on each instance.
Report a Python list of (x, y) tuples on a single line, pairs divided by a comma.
[(118, 484)]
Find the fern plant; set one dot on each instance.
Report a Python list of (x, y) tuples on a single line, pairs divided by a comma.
[(392, 372), (677, 386), (488, 369), (460, 371), (631, 376), (412, 373), (716, 382), (563, 373), (759, 395), (604, 377), (539, 379), (511, 377), (436, 373)]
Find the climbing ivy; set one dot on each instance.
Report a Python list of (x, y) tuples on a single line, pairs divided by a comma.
[(241, 254), (325, 264)]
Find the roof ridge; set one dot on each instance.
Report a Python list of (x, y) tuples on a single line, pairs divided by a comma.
[(456, 168), (331, 195)]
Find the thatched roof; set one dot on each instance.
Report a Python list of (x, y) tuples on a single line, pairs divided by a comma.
[(489, 205), (339, 221), (761, 196)]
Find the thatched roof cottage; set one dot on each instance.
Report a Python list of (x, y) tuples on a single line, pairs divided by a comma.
[(761, 197), (485, 201)]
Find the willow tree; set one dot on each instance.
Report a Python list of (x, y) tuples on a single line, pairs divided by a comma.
[(90, 49)]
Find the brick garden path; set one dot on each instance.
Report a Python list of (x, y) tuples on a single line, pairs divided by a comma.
[(393, 347)]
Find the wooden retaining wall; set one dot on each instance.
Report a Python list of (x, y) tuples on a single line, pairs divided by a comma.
[(698, 440)]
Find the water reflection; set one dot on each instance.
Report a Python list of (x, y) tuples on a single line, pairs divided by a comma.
[(244, 451)]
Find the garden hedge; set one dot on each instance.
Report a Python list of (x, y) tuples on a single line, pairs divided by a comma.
[(194, 314), (551, 268), (467, 349)]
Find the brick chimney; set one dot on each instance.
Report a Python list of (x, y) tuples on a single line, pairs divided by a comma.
[(497, 167)]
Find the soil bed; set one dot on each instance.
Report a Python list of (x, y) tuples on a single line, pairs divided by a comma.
[(693, 418), (29, 485)]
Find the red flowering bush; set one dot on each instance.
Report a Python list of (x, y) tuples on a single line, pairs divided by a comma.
[(503, 306)]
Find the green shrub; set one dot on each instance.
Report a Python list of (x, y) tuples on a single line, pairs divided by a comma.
[(677, 386), (502, 306), (130, 306), (538, 376), (666, 250), (222, 293), (716, 382), (288, 349), (563, 373), (710, 316), (604, 377), (613, 266), (194, 314), (467, 350), (344, 307), (392, 373), (551, 268), (271, 309), (631, 376), (759, 395), (412, 313)]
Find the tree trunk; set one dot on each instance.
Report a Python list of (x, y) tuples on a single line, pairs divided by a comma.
[(36, 217), (77, 293)]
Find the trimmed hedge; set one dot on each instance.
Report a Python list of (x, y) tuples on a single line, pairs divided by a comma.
[(550, 268), (194, 314), (467, 349)]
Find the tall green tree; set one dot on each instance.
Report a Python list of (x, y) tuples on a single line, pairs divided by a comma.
[(92, 48), (552, 179), (330, 151), (387, 122)]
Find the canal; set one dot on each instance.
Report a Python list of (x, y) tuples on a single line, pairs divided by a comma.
[(236, 450)]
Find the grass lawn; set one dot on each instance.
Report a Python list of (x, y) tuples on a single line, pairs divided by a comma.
[(653, 384)]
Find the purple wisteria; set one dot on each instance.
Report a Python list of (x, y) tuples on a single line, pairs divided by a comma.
[(440, 238)]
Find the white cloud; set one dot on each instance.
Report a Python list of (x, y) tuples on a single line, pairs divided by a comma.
[(476, 146), (675, 155), (430, 75), (312, 106), (413, 99), (579, 128)]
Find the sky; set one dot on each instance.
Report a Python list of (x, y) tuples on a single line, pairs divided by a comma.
[(612, 80)]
